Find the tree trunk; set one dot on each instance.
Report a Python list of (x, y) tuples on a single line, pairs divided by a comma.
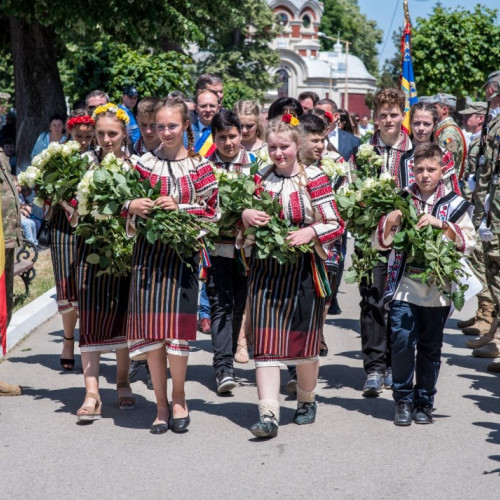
[(39, 92)]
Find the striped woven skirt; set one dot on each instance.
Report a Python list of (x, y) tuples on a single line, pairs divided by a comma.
[(63, 250), (102, 304), (285, 314), (163, 299)]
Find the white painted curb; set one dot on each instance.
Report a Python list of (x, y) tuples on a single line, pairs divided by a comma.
[(30, 317)]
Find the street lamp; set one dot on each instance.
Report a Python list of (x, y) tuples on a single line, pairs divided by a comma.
[(346, 90)]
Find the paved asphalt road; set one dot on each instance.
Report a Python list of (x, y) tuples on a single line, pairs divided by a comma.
[(352, 451)]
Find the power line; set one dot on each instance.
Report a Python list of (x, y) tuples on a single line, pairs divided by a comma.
[(389, 32)]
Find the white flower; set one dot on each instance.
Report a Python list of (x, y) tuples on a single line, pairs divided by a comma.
[(385, 176), (333, 168), (263, 155), (359, 196), (112, 163), (365, 151), (83, 191), (368, 184), (29, 177)]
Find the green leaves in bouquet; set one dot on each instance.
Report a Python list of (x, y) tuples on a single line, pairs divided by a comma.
[(111, 249), (61, 176), (270, 240)]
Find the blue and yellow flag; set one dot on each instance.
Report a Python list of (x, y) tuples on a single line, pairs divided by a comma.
[(407, 76)]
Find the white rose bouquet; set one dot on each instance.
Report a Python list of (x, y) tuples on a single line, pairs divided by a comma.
[(100, 195), (55, 173)]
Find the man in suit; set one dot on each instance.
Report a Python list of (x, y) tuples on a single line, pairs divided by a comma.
[(342, 141)]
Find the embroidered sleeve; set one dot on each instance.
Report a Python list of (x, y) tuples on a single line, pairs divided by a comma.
[(450, 178), (379, 241), (328, 224), (465, 234), (206, 203)]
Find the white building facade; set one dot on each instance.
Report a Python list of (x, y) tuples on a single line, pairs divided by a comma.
[(304, 66)]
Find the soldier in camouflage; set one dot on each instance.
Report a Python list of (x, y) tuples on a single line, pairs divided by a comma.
[(12, 237), (489, 214), (448, 133), (474, 116)]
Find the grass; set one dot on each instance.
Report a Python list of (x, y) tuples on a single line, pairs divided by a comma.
[(44, 281)]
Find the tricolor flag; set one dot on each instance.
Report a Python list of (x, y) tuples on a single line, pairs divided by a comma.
[(3, 290), (407, 76), (205, 145)]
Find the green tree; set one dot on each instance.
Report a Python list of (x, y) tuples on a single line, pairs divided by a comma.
[(40, 31), (343, 18), (453, 51), (111, 66), (239, 51)]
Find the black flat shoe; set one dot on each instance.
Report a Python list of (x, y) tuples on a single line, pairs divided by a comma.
[(305, 414), (334, 308), (158, 428), (178, 425), (323, 352), (67, 364), (402, 417), (266, 427), (423, 415)]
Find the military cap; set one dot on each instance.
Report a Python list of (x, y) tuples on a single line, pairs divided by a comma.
[(493, 77), (131, 91), (425, 98), (445, 99), (474, 108)]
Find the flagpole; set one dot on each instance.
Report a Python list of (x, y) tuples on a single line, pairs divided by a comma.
[(407, 12)]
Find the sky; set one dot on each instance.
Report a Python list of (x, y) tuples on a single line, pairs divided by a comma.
[(383, 12)]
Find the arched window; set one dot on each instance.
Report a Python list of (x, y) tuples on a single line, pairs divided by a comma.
[(306, 21), (282, 83), (281, 19)]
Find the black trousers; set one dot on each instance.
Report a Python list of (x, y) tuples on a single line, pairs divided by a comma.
[(373, 321), (227, 293)]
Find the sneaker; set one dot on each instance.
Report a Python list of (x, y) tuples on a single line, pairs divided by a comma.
[(373, 385), (204, 325), (423, 414), (9, 389), (266, 427), (225, 381), (388, 378), (306, 413)]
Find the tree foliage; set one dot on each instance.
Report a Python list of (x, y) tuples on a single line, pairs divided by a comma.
[(239, 51), (453, 51), (111, 66), (343, 18)]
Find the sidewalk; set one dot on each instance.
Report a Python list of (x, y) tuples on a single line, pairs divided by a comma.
[(352, 451)]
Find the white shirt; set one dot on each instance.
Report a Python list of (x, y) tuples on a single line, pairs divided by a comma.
[(333, 138)]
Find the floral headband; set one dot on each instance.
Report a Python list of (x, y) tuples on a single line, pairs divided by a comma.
[(290, 119), (329, 116), (80, 120), (113, 108)]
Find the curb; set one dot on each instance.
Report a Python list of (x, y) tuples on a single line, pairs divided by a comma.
[(30, 317)]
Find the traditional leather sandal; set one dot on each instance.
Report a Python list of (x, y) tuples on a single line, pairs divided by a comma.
[(125, 402), (92, 412), (67, 363)]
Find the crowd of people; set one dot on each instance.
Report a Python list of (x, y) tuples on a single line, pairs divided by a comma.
[(274, 310)]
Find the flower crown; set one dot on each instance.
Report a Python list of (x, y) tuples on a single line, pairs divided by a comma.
[(113, 108), (329, 116), (290, 119), (80, 120)]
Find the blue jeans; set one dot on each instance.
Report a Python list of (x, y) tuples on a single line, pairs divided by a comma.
[(204, 306), (421, 327), (28, 227)]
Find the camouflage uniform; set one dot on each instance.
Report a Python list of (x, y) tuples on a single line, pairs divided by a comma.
[(492, 248), (449, 137), (11, 226)]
